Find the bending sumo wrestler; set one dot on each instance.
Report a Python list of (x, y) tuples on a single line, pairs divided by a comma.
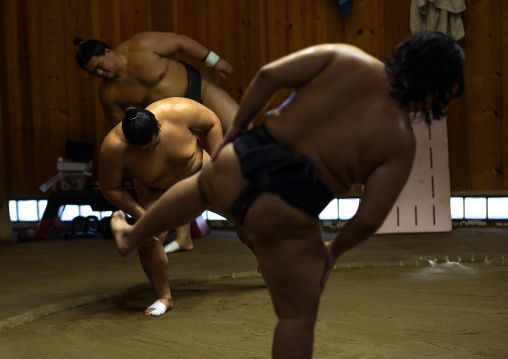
[(157, 147), (141, 70)]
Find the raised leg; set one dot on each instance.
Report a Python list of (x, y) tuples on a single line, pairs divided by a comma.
[(176, 207)]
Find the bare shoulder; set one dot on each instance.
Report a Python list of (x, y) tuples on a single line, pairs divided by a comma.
[(170, 108), (191, 108), (354, 57), (176, 105), (137, 44), (113, 143), (149, 40), (181, 111), (340, 50), (347, 60), (165, 104), (140, 39)]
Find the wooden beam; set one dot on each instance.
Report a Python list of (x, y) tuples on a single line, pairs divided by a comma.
[(5, 220)]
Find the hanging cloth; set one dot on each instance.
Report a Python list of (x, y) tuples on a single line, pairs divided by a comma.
[(345, 7), (438, 15)]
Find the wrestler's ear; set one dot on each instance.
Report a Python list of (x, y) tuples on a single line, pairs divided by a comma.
[(158, 123)]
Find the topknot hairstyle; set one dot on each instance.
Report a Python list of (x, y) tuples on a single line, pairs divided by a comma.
[(89, 49), (139, 126), (426, 67)]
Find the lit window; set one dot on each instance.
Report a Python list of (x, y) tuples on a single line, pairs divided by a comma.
[(13, 211), (27, 211), (498, 208), (106, 214), (43, 203), (87, 210), (331, 212), (212, 216), (476, 207), (70, 211), (344, 209), (457, 207), (348, 207)]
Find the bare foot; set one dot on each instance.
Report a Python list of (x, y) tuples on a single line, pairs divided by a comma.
[(157, 308), (121, 230), (180, 245), (185, 243)]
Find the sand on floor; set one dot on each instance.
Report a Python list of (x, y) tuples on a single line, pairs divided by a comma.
[(447, 310)]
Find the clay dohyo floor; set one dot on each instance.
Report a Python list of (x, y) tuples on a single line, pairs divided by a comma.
[(438, 295)]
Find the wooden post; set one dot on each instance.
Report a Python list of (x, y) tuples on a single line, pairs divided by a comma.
[(5, 220)]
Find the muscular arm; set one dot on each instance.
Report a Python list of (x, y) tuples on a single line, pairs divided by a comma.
[(166, 44), (113, 112), (111, 172), (202, 119), (290, 72), (380, 193)]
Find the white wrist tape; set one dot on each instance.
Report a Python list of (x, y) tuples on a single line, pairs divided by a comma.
[(211, 59)]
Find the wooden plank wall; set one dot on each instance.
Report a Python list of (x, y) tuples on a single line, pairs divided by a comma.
[(47, 98)]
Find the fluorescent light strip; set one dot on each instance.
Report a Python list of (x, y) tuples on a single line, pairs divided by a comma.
[(27, 211), (457, 207), (497, 207), (475, 208), (331, 212), (348, 208), (343, 209), (13, 210)]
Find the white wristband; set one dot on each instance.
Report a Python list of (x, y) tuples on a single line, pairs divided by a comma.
[(211, 59)]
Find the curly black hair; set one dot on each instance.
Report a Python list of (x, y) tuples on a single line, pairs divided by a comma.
[(426, 67), (139, 126)]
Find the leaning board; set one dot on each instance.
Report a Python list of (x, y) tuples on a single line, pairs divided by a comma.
[(424, 203)]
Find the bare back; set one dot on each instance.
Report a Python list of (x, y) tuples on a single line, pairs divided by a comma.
[(348, 126)]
